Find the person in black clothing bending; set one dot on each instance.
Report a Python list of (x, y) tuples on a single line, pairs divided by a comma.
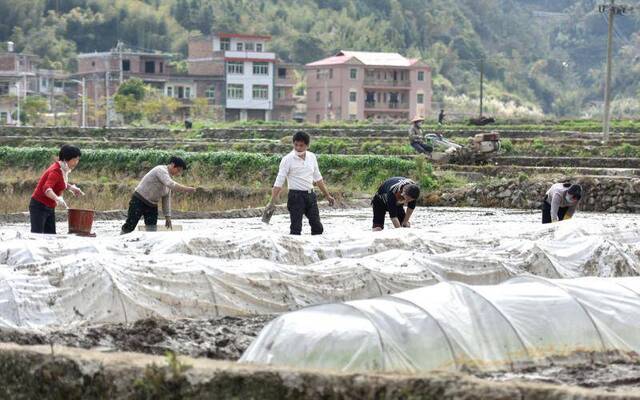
[(391, 197)]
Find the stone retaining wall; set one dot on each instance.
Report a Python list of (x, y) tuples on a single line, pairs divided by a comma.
[(609, 194)]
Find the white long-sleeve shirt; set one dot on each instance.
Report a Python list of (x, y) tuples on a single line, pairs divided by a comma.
[(299, 173)]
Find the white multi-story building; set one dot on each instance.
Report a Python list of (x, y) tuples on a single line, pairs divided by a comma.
[(249, 75)]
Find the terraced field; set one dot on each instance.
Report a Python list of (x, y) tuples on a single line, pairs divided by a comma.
[(527, 156)]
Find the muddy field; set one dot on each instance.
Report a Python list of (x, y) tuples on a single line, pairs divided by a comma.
[(227, 337), (460, 237), (614, 377), (224, 338)]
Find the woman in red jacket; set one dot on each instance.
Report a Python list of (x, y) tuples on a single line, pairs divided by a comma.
[(48, 194)]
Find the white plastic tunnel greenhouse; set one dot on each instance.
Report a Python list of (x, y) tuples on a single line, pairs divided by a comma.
[(522, 322)]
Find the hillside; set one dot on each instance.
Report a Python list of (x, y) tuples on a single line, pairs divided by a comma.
[(534, 62)]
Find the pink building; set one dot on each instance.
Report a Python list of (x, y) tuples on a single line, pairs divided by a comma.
[(355, 85)]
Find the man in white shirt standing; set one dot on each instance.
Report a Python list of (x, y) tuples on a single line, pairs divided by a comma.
[(300, 169)]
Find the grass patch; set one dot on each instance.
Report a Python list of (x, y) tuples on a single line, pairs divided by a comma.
[(238, 169)]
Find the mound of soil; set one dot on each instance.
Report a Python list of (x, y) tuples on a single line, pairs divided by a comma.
[(224, 338)]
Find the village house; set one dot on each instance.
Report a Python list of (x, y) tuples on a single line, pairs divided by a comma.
[(355, 85)]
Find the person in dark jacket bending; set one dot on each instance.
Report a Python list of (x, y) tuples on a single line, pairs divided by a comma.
[(391, 197)]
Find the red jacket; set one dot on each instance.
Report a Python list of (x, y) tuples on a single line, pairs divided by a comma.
[(51, 179)]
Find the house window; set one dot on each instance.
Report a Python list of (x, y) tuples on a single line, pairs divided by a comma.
[(126, 65), (170, 91), (225, 44), (260, 68), (317, 118), (235, 67), (353, 73), (161, 67), (235, 91), (240, 46), (211, 93), (249, 46), (93, 63), (421, 75), (330, 96), (259, 47), (187, 93), (4, 88), (282, 73), (352, 117), (318, 73), (260, 92), (281, 93), (317, 96), (150, 67), (180, 92), (420, 99), (330, 73), (353, 97)]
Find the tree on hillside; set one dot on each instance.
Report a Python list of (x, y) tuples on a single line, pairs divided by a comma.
[(129, 98)]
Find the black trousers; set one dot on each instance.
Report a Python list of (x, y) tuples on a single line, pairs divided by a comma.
[(304, 203), (138, 209), (43, 218), (421, 147), (546, 212), (380, 212)]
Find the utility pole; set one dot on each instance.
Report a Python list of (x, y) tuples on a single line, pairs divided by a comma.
[(108, 103), (612, 9), (96, 79), (481, 85), (18, 98), (52, 100), (84, 103), (119, 48)]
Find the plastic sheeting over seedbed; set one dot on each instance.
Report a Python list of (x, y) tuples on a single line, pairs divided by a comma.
[(522, 322), (240, 267)]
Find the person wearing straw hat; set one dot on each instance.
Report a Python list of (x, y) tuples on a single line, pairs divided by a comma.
[(416, 137), (48, 193)]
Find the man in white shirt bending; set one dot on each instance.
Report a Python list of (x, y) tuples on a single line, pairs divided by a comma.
[(300, 169)]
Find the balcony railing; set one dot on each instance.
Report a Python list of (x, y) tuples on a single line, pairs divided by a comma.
[(386, 106), (256, 55), (288, 81), (285, 102), (387, 82)]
